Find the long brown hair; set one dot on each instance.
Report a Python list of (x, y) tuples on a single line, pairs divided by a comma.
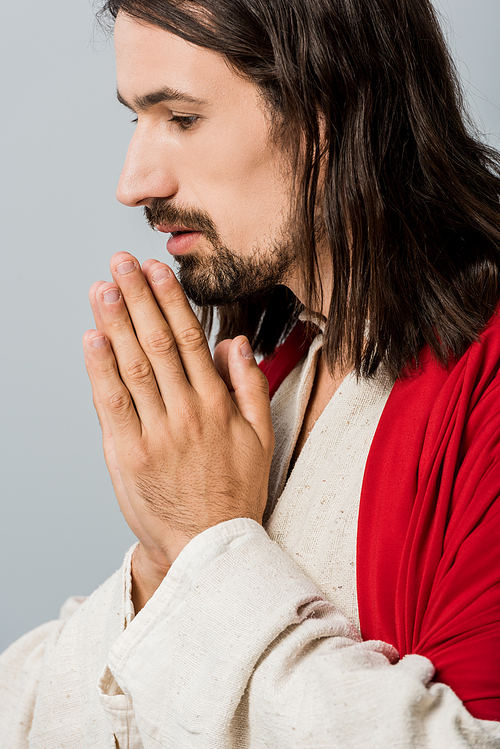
[(365, 90)]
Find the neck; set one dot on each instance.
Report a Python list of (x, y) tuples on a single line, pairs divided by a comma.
[(323, 282)]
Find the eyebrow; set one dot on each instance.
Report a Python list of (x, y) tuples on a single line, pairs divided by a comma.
[(140, 103)]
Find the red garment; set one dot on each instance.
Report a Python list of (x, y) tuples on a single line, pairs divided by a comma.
[(286, 356), (428, 544)]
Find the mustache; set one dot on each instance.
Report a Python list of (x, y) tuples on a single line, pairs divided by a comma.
[(161, 212)]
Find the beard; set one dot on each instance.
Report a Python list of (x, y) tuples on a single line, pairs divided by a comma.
[(223, 277)]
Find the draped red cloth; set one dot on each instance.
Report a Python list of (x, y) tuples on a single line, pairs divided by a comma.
[(286, 356), (428, 545)]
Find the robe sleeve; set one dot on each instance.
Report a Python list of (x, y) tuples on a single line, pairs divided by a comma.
[(48, 694), (20, 674), (238, 648)]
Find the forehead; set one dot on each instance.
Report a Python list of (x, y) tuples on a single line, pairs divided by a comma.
[(149, 58)]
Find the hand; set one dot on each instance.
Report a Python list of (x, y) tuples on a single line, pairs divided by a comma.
[(187, 447)]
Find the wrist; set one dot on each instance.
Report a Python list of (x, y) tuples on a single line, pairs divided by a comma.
[(149, 568)]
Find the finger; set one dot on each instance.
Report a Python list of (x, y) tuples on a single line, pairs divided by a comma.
[(105, 426), (134, 366), (190, 338), (147, 264), (166, 326), (152, 330), (107, 434), (114, 471), (93, 303), (221, 354), (251, 390), (128, 511), (111, 396), (101, 414)]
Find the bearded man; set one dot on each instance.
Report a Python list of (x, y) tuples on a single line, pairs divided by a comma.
[(321, 572)]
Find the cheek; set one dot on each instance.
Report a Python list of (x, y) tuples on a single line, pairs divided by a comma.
[(240, 180)]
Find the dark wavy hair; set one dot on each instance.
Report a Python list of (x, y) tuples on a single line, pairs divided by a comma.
[(389, 171)]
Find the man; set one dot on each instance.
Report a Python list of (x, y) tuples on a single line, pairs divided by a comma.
[(307, 159)]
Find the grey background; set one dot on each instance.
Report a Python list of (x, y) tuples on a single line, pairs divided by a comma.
[(63, 140)]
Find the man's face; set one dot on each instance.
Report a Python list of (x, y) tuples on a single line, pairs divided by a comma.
[(202, 158)]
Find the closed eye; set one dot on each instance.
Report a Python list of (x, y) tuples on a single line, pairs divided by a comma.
[(184, 122)]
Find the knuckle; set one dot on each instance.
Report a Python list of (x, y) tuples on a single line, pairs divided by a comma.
[(138, 370), (119, 402), (138, 295), (117, 324), (160, 342), (222, 413), (176, 298), (191, 339), (217, 400), (140, 458), (262, 384), (105, 368)]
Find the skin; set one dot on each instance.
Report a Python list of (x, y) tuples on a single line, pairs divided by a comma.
[(188, 438)]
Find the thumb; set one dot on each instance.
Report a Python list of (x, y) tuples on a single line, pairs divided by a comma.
[(251, 390)]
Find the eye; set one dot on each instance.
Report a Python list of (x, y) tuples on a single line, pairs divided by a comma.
[(185, 122)]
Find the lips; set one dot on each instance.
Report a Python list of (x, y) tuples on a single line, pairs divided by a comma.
[(173, 230), (182, 241)]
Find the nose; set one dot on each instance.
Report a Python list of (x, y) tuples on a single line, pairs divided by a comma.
[(147, 173)]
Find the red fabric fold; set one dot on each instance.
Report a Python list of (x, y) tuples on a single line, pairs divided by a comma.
[(428, 547), (286, 356), (428, 551)]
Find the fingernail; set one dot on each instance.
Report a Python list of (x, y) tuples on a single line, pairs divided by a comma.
[(246, 351), (161, 275), (111, 295), (126, 267), (99, 341)]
